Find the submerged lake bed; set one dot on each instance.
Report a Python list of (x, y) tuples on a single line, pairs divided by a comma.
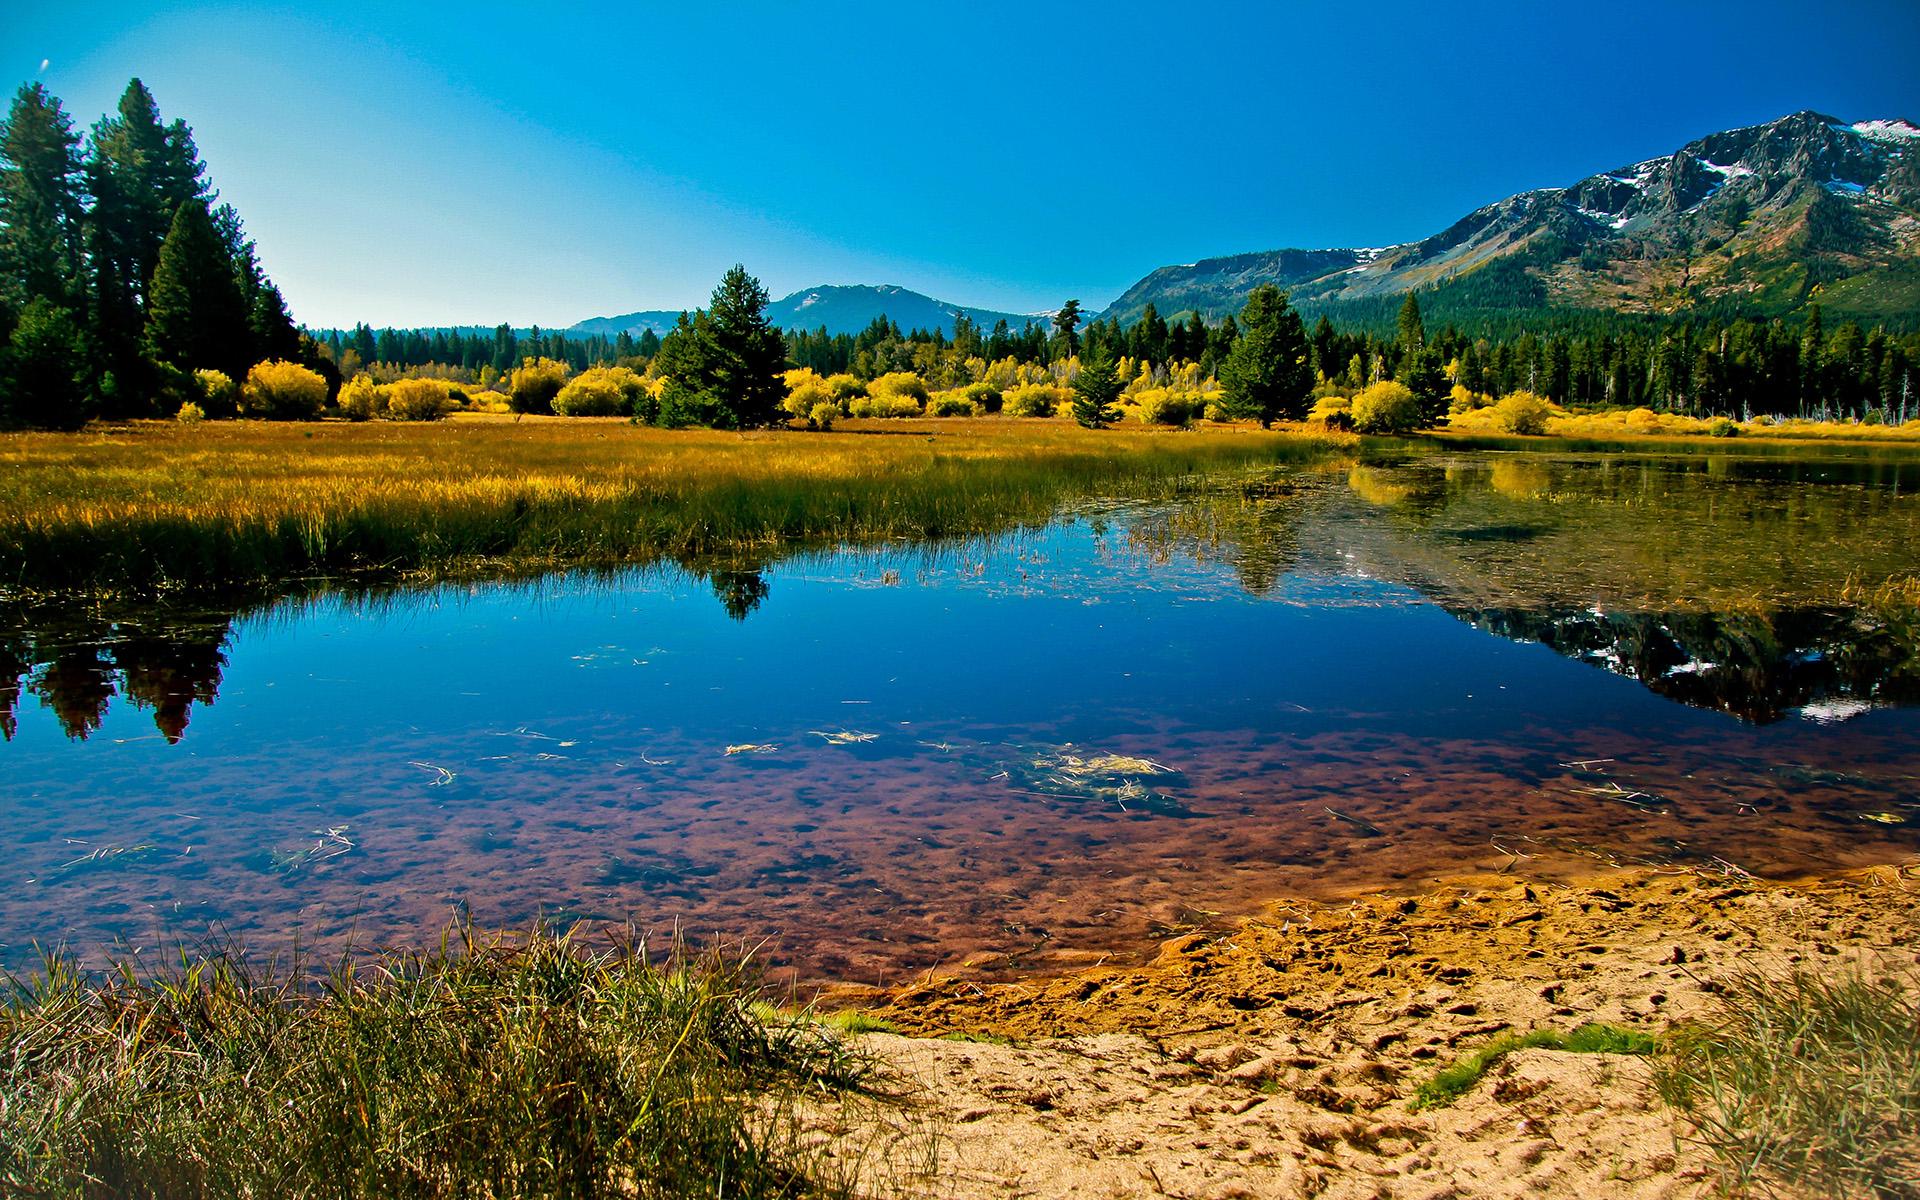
[(1005, 753)]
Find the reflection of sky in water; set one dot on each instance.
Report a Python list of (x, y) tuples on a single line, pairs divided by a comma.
[(563, 747)]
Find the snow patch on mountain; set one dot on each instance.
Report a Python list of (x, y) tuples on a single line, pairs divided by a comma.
[(1886, 131)]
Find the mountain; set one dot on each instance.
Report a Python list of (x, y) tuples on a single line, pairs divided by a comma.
[(841, 308), (635, 323), (1760, 220)]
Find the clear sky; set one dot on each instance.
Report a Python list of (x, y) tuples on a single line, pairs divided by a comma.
[(409, 164)]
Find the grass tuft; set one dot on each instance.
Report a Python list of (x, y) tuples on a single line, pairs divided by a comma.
[(543, 1068), (1806, 1084), (1455, 1081)]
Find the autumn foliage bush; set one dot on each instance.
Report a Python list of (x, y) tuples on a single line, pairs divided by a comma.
[(418, 400), (601, 392), (283, 391), (534, 384)]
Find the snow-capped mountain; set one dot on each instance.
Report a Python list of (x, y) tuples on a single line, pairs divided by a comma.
[(1761, 218)]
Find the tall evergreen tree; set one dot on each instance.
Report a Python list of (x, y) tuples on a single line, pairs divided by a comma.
[(1066, 323), (1412, 333), (1267, 374), (1095, 388), (139, 171), (40, 205), (196, 314), (749, 355)]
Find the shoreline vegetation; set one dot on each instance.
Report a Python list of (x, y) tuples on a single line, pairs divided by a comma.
[(156, 507), (1724, 1032), (552, 1064)]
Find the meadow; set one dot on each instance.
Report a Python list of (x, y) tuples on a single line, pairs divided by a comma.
[(148, 506)]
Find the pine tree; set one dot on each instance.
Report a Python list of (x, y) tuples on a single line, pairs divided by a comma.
[(40, 210), (1065, 324), (748, 354), (1813, 346), (196, 315), (1267, 374), (139, 172), (1423, 375), (1412, 333), (1095, 388)]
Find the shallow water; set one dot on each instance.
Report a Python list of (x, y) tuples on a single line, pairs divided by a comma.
[(1331, 678)]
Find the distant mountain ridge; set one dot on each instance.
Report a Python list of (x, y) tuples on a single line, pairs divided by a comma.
[(1758, 219), (840, 308)]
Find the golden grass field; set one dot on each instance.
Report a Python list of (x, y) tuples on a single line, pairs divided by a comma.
[(152, 504)]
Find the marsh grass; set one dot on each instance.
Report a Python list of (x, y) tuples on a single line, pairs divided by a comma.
[(1807, 1084), (154, 505), (540, 1068), (1454, 1081)]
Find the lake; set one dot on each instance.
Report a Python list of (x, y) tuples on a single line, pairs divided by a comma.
[(1013, 753)]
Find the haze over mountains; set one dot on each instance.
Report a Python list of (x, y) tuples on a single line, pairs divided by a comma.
[(1758, 220)]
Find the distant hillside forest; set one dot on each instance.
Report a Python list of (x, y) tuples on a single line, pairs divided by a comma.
[(126, 290)]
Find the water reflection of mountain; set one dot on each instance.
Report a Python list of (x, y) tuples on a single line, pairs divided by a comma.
[(1759, 667)]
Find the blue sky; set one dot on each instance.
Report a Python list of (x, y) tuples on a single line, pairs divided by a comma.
[(406, 164)]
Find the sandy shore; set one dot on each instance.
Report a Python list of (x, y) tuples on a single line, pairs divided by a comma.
[(1279, 1057)]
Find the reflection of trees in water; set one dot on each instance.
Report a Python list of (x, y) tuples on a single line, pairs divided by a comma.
[(1253, 531), (740, 592), (77, 656), (1755, 666), (15, 658), (169, 673), (76, 664)]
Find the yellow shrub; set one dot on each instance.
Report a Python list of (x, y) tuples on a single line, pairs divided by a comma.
[(190, 413), (884, 405), (1036, 400), (1385, 407), (600, 392), (283, 391), (1517, 412), (1166, 406), (807, 395), (954, 403), (418, 400), (900, 384), (361, 399), (845, 387), (534, 384), (1460, 399)]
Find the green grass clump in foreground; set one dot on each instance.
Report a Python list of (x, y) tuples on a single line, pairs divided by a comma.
[(1453, 1082), (541, 1070), (155, 504), (1806, 1084)]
